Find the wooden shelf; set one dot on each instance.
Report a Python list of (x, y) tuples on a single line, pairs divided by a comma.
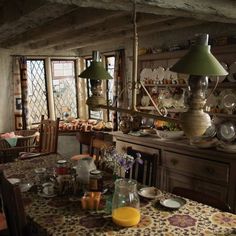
[(227, 49), (179, 110), (152, 108), (211, 85)]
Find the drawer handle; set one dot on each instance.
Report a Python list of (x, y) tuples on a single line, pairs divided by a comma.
[(174, 162), (210, 170)]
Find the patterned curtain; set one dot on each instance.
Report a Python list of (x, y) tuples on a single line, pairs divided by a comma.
[(82, 90), (20, 93)]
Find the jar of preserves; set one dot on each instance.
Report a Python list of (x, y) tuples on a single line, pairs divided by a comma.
[(95, 181), (62, 167)]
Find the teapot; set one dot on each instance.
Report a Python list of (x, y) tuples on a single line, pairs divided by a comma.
[(83, 168)]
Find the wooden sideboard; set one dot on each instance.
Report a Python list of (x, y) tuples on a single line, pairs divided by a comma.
[(180, 164)]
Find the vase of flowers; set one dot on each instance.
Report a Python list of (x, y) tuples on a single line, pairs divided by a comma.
[(119, 162)]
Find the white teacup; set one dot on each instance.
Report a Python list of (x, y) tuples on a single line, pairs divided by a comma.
[(48, 188)]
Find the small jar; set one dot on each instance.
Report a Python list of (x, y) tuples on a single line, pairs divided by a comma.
[(62, 167), (95, 181)]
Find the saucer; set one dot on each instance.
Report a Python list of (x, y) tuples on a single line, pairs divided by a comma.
[(149, 192), (173, 202), (14, 180), (24, 187)]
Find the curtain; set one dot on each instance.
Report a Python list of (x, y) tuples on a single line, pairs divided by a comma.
[(20, 93), (119, 82), (82, 90)]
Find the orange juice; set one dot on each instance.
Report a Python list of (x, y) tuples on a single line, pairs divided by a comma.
[(126, 216)]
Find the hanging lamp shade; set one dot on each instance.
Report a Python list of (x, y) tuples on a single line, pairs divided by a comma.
[(199, 61), (95, 71)]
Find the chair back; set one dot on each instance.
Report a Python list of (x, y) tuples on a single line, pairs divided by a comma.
[(202, 198), (84, 138), (7, 153), (145, 173), (27, 143), (97, 146), (48, 135), (13, 207)]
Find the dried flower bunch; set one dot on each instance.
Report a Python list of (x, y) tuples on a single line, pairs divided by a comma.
[(118, 161)]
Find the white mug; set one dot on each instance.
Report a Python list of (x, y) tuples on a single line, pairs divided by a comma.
[(48, 188)]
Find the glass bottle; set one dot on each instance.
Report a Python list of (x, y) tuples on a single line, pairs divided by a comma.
[(125, 203), (95, 181)]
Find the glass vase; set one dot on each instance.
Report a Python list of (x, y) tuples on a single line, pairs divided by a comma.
[(125, 203)]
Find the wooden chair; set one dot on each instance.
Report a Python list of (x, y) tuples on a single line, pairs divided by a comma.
[(6, 153), (202, 198), (98, 144), (13, 207), (84, 138), (96, 147), (145, 173), (48, 135)]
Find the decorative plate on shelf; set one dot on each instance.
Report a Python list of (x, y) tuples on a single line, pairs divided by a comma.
[(226, 131), (232, 72), (145, 75), (221, 78), (158, 74)]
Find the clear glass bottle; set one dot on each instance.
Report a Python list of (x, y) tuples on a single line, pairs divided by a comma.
[(125, 203)]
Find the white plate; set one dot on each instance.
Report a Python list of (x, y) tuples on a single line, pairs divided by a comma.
[(226, 131), (173, 202), (14, 180), (232, 72), (149, 192), (159, 74), (24, 187), (41, 194), (145, 75)]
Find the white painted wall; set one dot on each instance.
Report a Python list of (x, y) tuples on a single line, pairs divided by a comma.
[(6, 91)]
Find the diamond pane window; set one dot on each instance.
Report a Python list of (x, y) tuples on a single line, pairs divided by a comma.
[(64, 88), (37, 92)]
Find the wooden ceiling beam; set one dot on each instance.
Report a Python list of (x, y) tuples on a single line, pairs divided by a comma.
[(143, 30), (108, 25), (77, 19), (19, 16), (208, 10)]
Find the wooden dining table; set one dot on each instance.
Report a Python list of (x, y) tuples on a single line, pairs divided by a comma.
[(64, 216)]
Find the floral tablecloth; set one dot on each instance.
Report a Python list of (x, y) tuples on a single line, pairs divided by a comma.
[(63, 216)]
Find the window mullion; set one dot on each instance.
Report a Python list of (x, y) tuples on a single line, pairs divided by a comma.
[(50, 88)]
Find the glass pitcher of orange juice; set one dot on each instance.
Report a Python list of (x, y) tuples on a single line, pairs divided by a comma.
[(125, 203)]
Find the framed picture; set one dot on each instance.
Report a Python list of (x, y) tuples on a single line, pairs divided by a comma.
[(18, 104), (18, 122)]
